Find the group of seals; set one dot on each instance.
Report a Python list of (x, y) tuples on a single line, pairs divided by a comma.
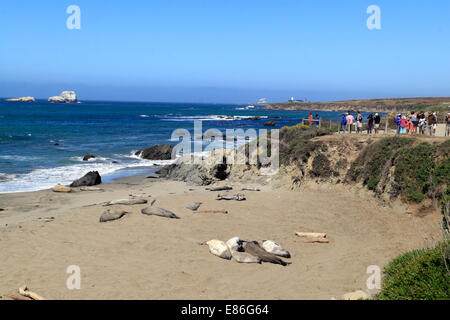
[(244, 251)]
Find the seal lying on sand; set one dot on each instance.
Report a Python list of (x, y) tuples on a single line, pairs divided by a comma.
[(273, 247), (244, 257), (112, 214), (253, 248), (236, 249), (219, 248), (128, 202), (155, 211)]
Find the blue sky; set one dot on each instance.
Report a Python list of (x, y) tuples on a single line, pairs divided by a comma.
[(225, 51)]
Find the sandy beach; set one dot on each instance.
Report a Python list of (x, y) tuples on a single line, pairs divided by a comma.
[(150, 257)]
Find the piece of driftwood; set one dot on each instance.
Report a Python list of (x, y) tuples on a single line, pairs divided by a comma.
[(30, 294), (256, 250), (311, 234), (311, 237), (224, 188), (11, 296), (237, 197), (213, 211)]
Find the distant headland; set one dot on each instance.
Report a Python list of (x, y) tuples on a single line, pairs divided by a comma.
[(368, 105)]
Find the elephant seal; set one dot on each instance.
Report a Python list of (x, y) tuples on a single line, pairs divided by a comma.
[(112, 214), (253, 248), (237, 251), (244, 257), (219, 248), (128, 202), (194, 206), (160, 212), (273, 247)]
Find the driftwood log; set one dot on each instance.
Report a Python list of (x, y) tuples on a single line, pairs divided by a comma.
[(311, 237), (30, 294), (11, 296)]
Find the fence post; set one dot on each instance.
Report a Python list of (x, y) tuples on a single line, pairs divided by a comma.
[(386, 127)]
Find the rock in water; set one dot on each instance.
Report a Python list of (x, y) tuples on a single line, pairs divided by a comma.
[(155, 211), (127, 202), (61, 188), (271, 123), (158, 152), (112, 214), (255, 249), (88, 156), (194, 206), (21, 99), (64, 97), (219, 248), (273, 247), (90, 179)]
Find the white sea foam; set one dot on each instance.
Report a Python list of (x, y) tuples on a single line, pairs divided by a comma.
[(40, 179)]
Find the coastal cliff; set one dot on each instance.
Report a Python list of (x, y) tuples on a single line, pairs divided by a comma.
[(368, 105), (412, 170)]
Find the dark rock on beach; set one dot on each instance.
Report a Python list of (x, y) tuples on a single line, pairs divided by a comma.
[(88, 156), (90, 179), (158, 152)]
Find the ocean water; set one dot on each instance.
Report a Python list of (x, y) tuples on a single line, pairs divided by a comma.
[(42, 144)]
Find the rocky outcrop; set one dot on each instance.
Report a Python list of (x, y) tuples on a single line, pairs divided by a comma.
[(64, 97), (90, 179), (21, 99), (158, 152)]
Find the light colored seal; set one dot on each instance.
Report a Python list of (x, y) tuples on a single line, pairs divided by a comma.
[(112, 214), (244, 257), (235, 244), (219, 248), (127, 202), (155, 211), (275, 248)]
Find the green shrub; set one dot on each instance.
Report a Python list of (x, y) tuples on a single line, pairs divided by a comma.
[(418, 275), (370, 164), (321, 166), (296, 145)]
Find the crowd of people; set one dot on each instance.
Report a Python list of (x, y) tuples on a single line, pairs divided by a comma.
[(419, 123), (413, 123), (348, 120)]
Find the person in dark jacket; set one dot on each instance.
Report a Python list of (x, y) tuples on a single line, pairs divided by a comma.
[(369, 124), (397, 122)]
